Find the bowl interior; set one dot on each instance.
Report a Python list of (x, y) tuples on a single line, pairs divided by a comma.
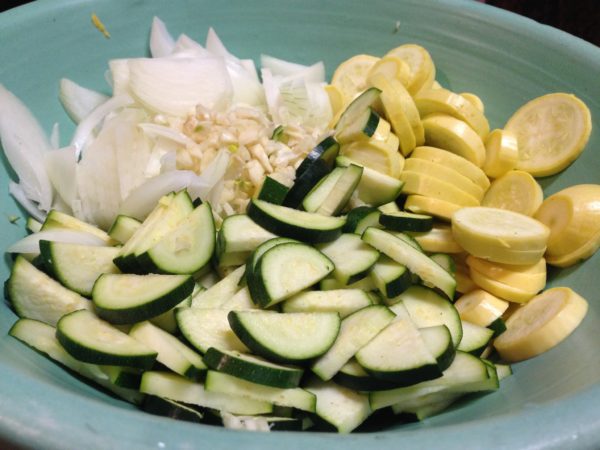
[(504, 59)]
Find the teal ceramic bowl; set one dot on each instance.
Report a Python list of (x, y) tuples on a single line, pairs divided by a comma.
[(551, 402)]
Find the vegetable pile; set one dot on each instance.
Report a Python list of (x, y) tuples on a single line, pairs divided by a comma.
[(400, 267)]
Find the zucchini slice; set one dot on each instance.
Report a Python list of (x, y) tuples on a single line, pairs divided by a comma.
[(175, 387), (238, 237), (223, 383), (342, 301), (291, 223), (252, 368), (357, 108), (285, 270), (34, 295), (362, 127), (77, 267), (405, 221), (187, 248), (325, 152), (90, 339), (123, 228), (351, 257), (475, 338), (287, 337), (129, 298), (56, 220), (317, 195), (170, 408), (390, 277), (361, 218), (341, 191), (273, 191)]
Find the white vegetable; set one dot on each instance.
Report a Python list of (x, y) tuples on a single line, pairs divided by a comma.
[(25, 144), (161, 41), (186, 46), (31, 244), (153, 130), (61, 165), (175, 86), (77, 100), (55, 136), (19, 195), (280, 67), (86, 127), (118, 76)]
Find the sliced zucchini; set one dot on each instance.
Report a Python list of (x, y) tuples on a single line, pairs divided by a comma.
[(286, 337), (475, 338), (351, 257), (77, 267), (33, 225), (427, 308), (439, 343), (405, 221), (123, 228), (170, 408), (129, 298), (175, 387), (56, 220), (317, 195), (357, 108), (362, 127), (399, 353), (301, 225), (125, 377), (223, 383), (361, 218), (353, 376), (305, 182), (390, 277), (238, 237), (90, 339), (42, 337), (343, 408), (187, 248), (329, 283), (172, 353), (356, 331), (342, 301), (221, 292), (445, 261), (206, 328), (262, 423), (285, 270), (374, 188), (273, 191), (417, 262), (341, 192), (325, 152), (252, 368), (34, 295)]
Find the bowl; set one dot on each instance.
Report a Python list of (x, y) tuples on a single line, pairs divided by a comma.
[(550, 402)]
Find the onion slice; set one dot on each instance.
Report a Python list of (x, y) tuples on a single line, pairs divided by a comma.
[(31, 244), (161, 41), (77, 100), (16, 190)]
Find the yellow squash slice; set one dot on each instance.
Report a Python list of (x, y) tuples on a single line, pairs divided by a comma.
[(501, 153), (515, 191)]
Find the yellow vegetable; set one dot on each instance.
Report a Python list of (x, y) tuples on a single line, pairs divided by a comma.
[(573, 217), (429, 186), (501, 153), (464, 283), (376, 157), (581, 254), (336, 100), (392, 67), (444, 173), (502, 290), (433, 206), (446, 102), (350, 77), (552, 130), (480, 307), (500, 235), (529, 278), (541, 324), (474, 100), (445, 158), (446, 132), (515, 191), (422, 69), (404, 101), (438, 240)]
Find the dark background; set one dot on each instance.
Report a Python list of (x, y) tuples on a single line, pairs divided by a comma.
[(578, 17)]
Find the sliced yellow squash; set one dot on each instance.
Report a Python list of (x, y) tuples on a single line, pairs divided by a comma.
[(435, 207), (422, 69), (515, 191), (474, 100), (374, 156), (438, 240), (552, 130), (350, 77), (541, 324), (480, 307), (429, 186), (501, 290), (530, 278), (501, 153), (392, 67)]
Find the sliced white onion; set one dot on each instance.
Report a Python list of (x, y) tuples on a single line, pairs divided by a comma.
[(186, 46), (24, 144), (61, 166), (86, 126), (153, 130), (280, 67), (250, 68), (31, 244), (210, 176), (77, 100), (119, 76), (55, 136), (142, 200), (175, 86), (161, 41), (19, 195)]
